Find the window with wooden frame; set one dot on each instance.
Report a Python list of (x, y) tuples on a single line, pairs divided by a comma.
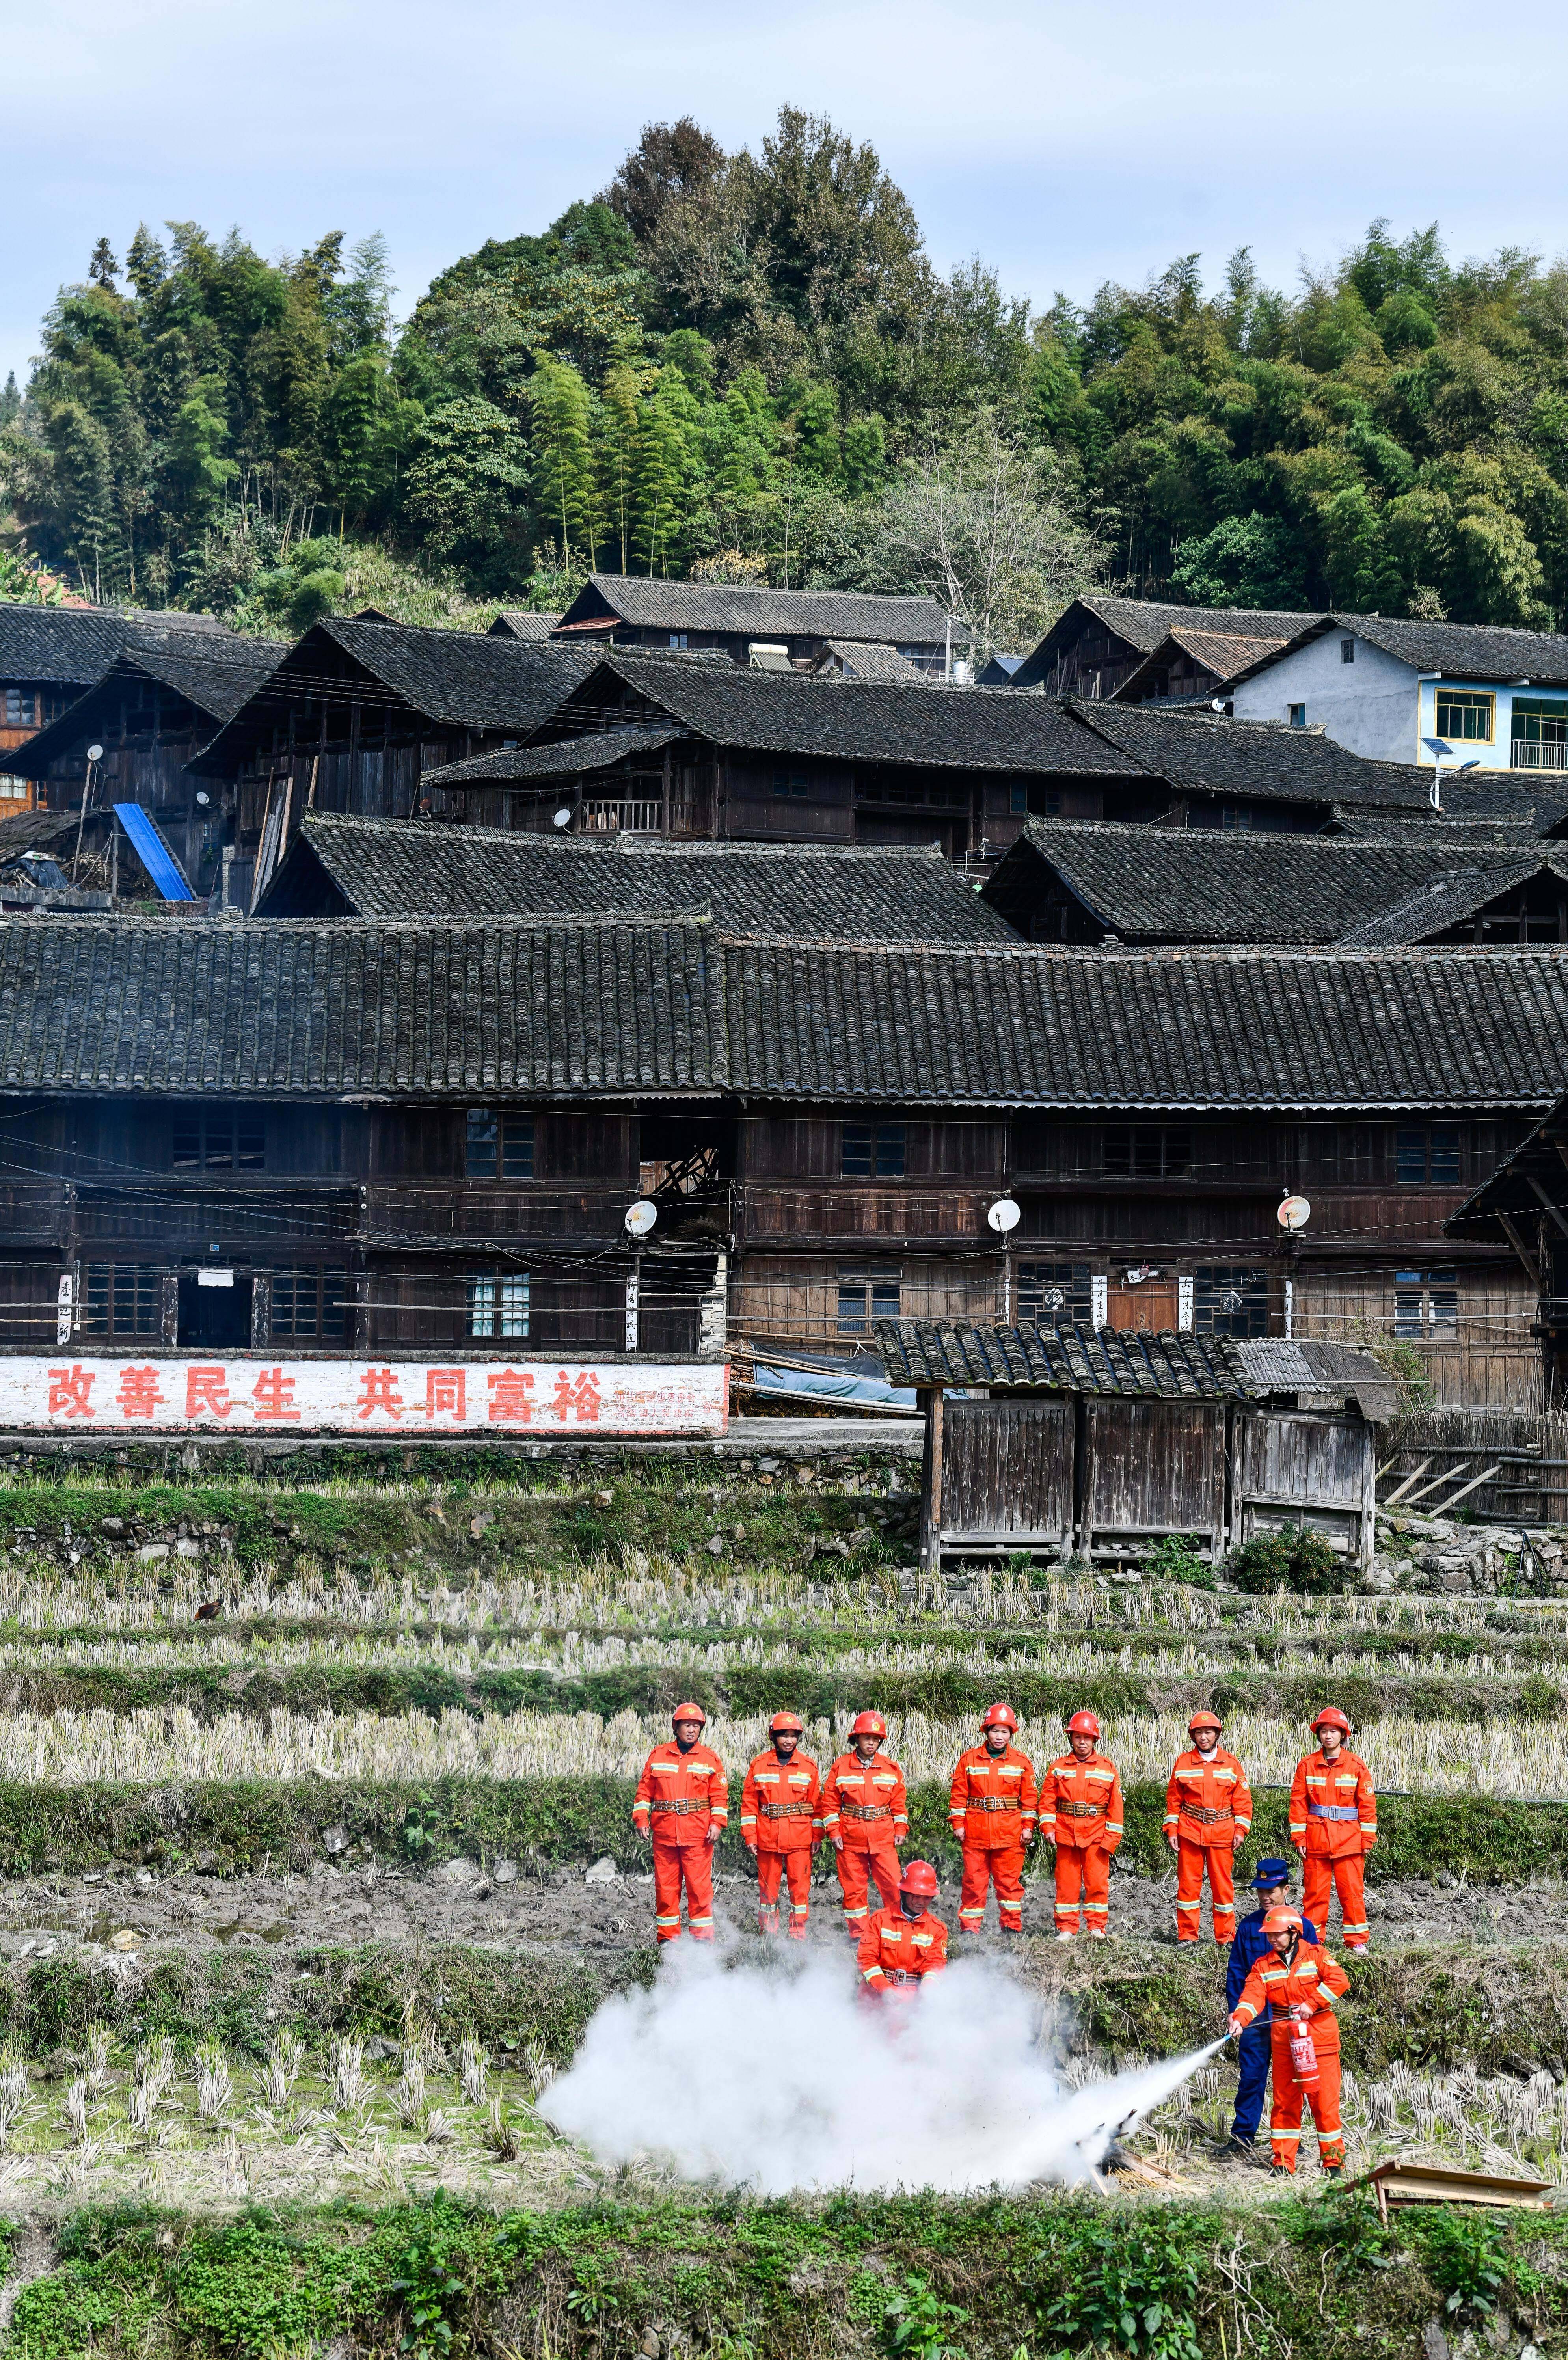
[(1230, 1300), (1466, 714), (121, 1298), (1423, 1152), (21, 708), (218, 1138), (1054, 1293), (310, 1304), (1144, 1150), (872, 1151), (500, 1302), (498, 1146), (796, 784), (1426, 1306), (866, 1293)]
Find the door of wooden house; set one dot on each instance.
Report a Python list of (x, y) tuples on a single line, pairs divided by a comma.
[(1304, 1467), (1007, 1473), (1148, 1308), (1152, 1468)]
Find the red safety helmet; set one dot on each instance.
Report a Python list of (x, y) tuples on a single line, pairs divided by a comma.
[(688, 1712), (785, 1720), (1282, 1921), (869, 1724), (1204, 1720), (1330, 1717), (918, 1877), (999, 1716), (1083, 1724)]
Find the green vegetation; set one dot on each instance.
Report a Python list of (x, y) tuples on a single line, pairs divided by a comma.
[(1295, 1558), (917, 2277), (744, 366)]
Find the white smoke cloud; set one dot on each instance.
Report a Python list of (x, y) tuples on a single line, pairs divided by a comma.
[(780, 2077)]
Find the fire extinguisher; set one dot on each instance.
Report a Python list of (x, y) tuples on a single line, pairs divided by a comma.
[(1303, 2050)]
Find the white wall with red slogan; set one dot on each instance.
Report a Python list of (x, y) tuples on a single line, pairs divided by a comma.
[(411, 1397)]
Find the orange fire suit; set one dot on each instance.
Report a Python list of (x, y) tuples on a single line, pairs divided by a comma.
[(1310, 1980), (865, 1815), (683, 1795), (993, 1808), (1081, 1814), (781, 1819), (1206, 1801), (1333, 1825), (896, 1953)]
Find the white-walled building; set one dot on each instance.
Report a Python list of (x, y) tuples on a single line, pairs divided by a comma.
[(1412, 692)]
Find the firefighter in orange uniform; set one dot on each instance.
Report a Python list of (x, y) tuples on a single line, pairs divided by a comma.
[(901, 1947), (1297, 1982), (865, 1816), (993, 1810), (1334, 1826), (1208, 1810), (779, 1803), (683, 1791), (1081, 1814)]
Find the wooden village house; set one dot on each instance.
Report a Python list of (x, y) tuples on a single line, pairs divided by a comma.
[(400, 1132)]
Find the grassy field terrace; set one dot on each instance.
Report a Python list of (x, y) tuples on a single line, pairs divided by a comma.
[(303, 1764)]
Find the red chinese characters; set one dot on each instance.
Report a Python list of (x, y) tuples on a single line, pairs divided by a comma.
[(273, 1399), (380, 1392), (70, 1391), (510, 1403), (578, 1397), (138, 1395), (446, 1393), (207, 1389)]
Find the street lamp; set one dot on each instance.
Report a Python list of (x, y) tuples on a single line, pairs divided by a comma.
[(640, 1221), (1004, 1217), (1442, 751)]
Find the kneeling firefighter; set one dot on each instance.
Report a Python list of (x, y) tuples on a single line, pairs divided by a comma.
[(900, 1947), (1296, 1983)]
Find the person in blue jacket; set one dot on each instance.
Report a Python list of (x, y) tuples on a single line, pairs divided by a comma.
[(1272, 1882)]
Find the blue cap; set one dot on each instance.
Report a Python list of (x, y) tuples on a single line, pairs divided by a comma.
[(1271, 1872)]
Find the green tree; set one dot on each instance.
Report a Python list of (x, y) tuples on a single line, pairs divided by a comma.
[(467, 482), (564, 486)]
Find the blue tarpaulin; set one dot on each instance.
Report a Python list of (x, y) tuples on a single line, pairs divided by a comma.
[(154, 854), (830, 1385)]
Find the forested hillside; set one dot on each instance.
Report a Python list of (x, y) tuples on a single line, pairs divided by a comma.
[(746, 366)]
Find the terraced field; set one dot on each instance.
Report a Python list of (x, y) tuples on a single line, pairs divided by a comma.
[(300, 1789)]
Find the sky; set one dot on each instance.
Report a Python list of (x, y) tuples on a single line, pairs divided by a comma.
[(1066, 144)]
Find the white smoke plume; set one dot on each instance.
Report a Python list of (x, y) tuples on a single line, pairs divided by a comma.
[(780, 2077)]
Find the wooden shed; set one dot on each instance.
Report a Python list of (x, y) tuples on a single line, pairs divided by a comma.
[(1109, 1442)]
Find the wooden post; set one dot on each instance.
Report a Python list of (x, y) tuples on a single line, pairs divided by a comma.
[(930, 1487), (1370, 1500)]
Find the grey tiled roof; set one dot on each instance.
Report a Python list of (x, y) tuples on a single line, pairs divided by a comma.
[(1208, 885), (216, 672), (1448, 899), (560, 1006), (764, 614), (595, 1006), (1077, 1031), (464, 680), (1258, 760), (1461, 650), (563, 759), (74, 645), (522, 623), (392, 869), (1164, 1367), (868, 721), (1143, 623), (867, 660)]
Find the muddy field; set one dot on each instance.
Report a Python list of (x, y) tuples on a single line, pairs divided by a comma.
[(127, 1910)]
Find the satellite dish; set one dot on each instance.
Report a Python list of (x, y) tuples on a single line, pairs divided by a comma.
[(1294, 1213), (1004, 1215), (642, 1217), (95, 753), (202, 797), (562, 818)]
